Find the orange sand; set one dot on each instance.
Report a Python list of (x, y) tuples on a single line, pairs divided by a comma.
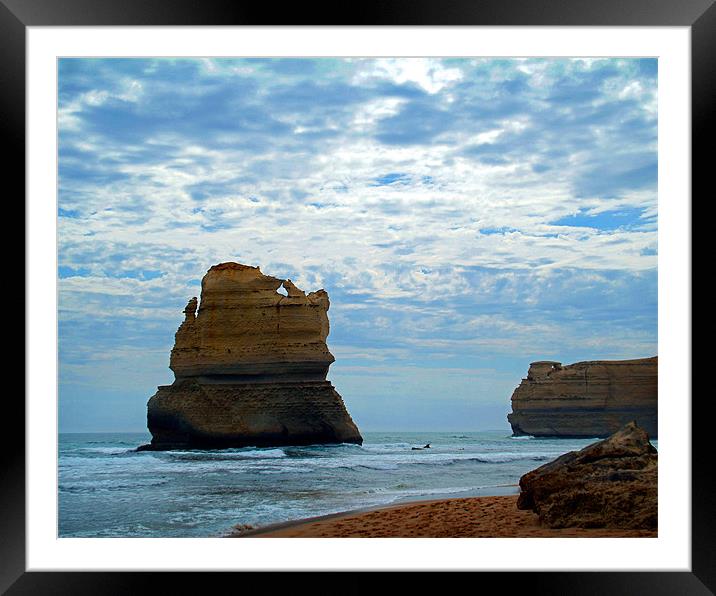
[(474, 517)]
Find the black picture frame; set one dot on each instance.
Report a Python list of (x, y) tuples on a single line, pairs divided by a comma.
[(17, 15)]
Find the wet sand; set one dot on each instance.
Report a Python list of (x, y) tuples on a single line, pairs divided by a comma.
[(473, 517)]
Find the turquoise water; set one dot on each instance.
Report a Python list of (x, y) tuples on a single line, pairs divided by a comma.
[(106, 488)]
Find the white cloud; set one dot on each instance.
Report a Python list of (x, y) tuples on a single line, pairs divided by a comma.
[(428, 73)]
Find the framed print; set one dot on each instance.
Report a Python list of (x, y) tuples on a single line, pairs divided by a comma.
[(474, 192)]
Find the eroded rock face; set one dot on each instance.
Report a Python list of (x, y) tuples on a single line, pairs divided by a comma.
[(609, 484), (586, 399), (244, 328), (250, 366)]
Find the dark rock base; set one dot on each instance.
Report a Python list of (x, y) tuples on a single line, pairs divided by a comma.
[(192, 415), (581, 423)]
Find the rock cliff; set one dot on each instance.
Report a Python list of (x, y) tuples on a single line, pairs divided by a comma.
[(250, 365), (609, 484), (586, 399)]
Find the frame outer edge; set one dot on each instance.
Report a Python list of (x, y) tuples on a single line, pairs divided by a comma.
[(703, 102), (12, 132), (12, 106)]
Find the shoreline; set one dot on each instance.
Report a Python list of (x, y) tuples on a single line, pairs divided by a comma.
[(486, 491), (493, 516)]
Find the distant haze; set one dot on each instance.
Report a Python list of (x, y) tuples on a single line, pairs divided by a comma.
[(466, 216)]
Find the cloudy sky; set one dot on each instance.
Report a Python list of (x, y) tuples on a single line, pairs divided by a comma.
[(466, 216)]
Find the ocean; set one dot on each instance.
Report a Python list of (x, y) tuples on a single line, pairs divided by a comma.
[(107, 489)]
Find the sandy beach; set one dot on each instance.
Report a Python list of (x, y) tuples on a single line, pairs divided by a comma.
[(473, 517)]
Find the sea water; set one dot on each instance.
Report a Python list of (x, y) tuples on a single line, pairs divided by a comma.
[(107, 488)]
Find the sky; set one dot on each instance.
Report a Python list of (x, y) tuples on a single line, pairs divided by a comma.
[(465, 216)]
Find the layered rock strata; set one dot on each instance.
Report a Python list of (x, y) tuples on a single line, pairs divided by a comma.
[(586, 399), (609, 484), (250, 365)]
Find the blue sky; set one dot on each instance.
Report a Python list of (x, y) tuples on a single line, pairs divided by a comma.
[(466, 216)]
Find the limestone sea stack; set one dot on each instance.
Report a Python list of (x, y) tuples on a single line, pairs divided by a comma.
[(609, 484), (586, 399), (250, 366)]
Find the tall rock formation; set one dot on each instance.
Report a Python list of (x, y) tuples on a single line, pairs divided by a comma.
[(586, 399), (250, 365)]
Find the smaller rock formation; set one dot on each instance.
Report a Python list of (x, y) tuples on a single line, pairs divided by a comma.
[(609, 484), (586, 399)]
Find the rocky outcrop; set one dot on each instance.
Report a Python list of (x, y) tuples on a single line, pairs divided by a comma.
[(250, 365), (609, 484), (245, 329), (586, 399)]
